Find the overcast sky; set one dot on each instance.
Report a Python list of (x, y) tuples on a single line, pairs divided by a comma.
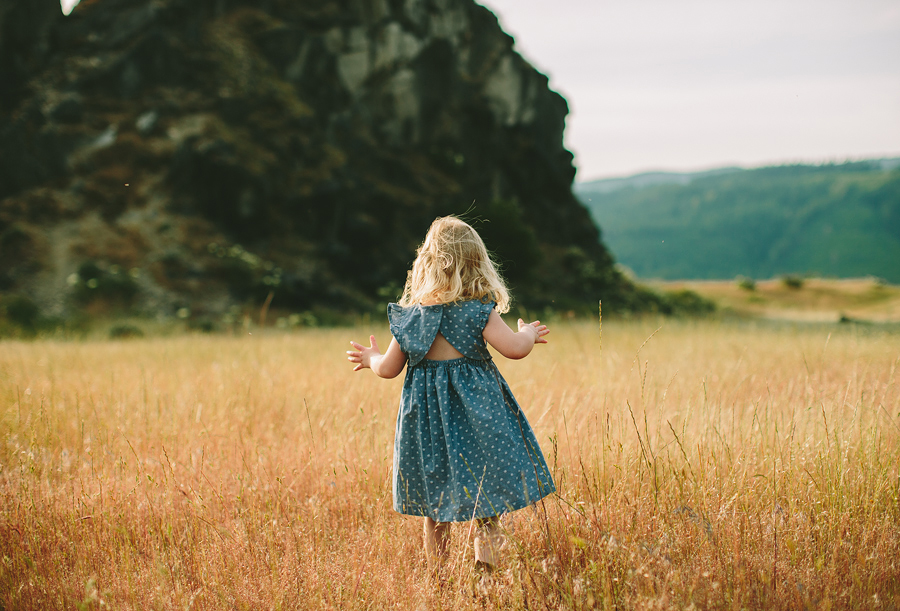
[(695, 84)]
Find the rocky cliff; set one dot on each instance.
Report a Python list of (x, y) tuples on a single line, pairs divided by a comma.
[(190, 155)]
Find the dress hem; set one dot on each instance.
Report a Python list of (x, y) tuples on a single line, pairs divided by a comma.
[(479, 515)]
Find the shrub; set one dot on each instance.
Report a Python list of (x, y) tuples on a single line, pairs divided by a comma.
[(247, 275), (22, 313), (792, 281), (204, 325), (687, 302), (125, 332), (92, 283), (748, 284)]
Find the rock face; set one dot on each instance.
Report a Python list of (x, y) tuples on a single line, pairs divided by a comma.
[(190, 155)]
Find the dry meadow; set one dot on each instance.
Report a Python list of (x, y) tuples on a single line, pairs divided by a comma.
[(817, 300), (704, 464)]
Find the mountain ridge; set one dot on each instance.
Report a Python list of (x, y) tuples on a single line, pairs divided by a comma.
[(661, 177), (835, 220), (648, 179)]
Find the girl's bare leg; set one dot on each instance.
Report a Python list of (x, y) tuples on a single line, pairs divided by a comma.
[(437, 536), (488, 540)]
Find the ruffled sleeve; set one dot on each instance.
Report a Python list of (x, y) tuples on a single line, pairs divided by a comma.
[(395, 319), (483, 313), (414, 328)]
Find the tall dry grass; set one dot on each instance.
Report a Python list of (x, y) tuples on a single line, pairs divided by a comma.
[(713, 465)]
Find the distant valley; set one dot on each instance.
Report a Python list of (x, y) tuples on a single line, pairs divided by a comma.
[(835, 220)]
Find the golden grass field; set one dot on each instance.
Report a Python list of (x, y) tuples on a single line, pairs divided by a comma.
[(817, 300), (715, 465)]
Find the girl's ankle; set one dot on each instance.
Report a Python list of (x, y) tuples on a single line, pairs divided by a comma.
[(488, 549), (485, 568)]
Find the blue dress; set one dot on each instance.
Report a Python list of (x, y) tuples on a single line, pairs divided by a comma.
[(463, 448)]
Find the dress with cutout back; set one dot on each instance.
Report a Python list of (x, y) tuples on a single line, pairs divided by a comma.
[(463, 448)]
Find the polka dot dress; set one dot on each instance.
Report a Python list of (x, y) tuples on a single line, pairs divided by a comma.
[(463, 448)]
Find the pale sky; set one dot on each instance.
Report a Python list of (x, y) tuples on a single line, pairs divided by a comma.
[(696, 84)]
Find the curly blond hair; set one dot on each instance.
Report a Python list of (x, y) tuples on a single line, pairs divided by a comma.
[(452, 264)]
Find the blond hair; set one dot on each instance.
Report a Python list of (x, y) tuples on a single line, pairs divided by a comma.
[(452, 264)]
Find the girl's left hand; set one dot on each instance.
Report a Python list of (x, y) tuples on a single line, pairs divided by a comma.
[(362, 355), (539, 330)]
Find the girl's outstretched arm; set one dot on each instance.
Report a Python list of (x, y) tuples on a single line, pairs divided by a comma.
[(387, 365), (510, 344)]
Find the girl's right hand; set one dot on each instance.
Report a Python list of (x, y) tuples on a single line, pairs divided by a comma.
[(539, 330), (512, 344)]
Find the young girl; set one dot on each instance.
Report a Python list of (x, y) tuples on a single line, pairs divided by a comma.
[(463, 449)]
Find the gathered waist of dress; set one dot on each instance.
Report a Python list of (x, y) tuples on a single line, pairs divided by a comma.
[(457, 362)]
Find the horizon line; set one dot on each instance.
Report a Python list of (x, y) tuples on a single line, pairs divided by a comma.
[(821, 161)]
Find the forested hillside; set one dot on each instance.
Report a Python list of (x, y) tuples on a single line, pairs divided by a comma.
[(831, 220)]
